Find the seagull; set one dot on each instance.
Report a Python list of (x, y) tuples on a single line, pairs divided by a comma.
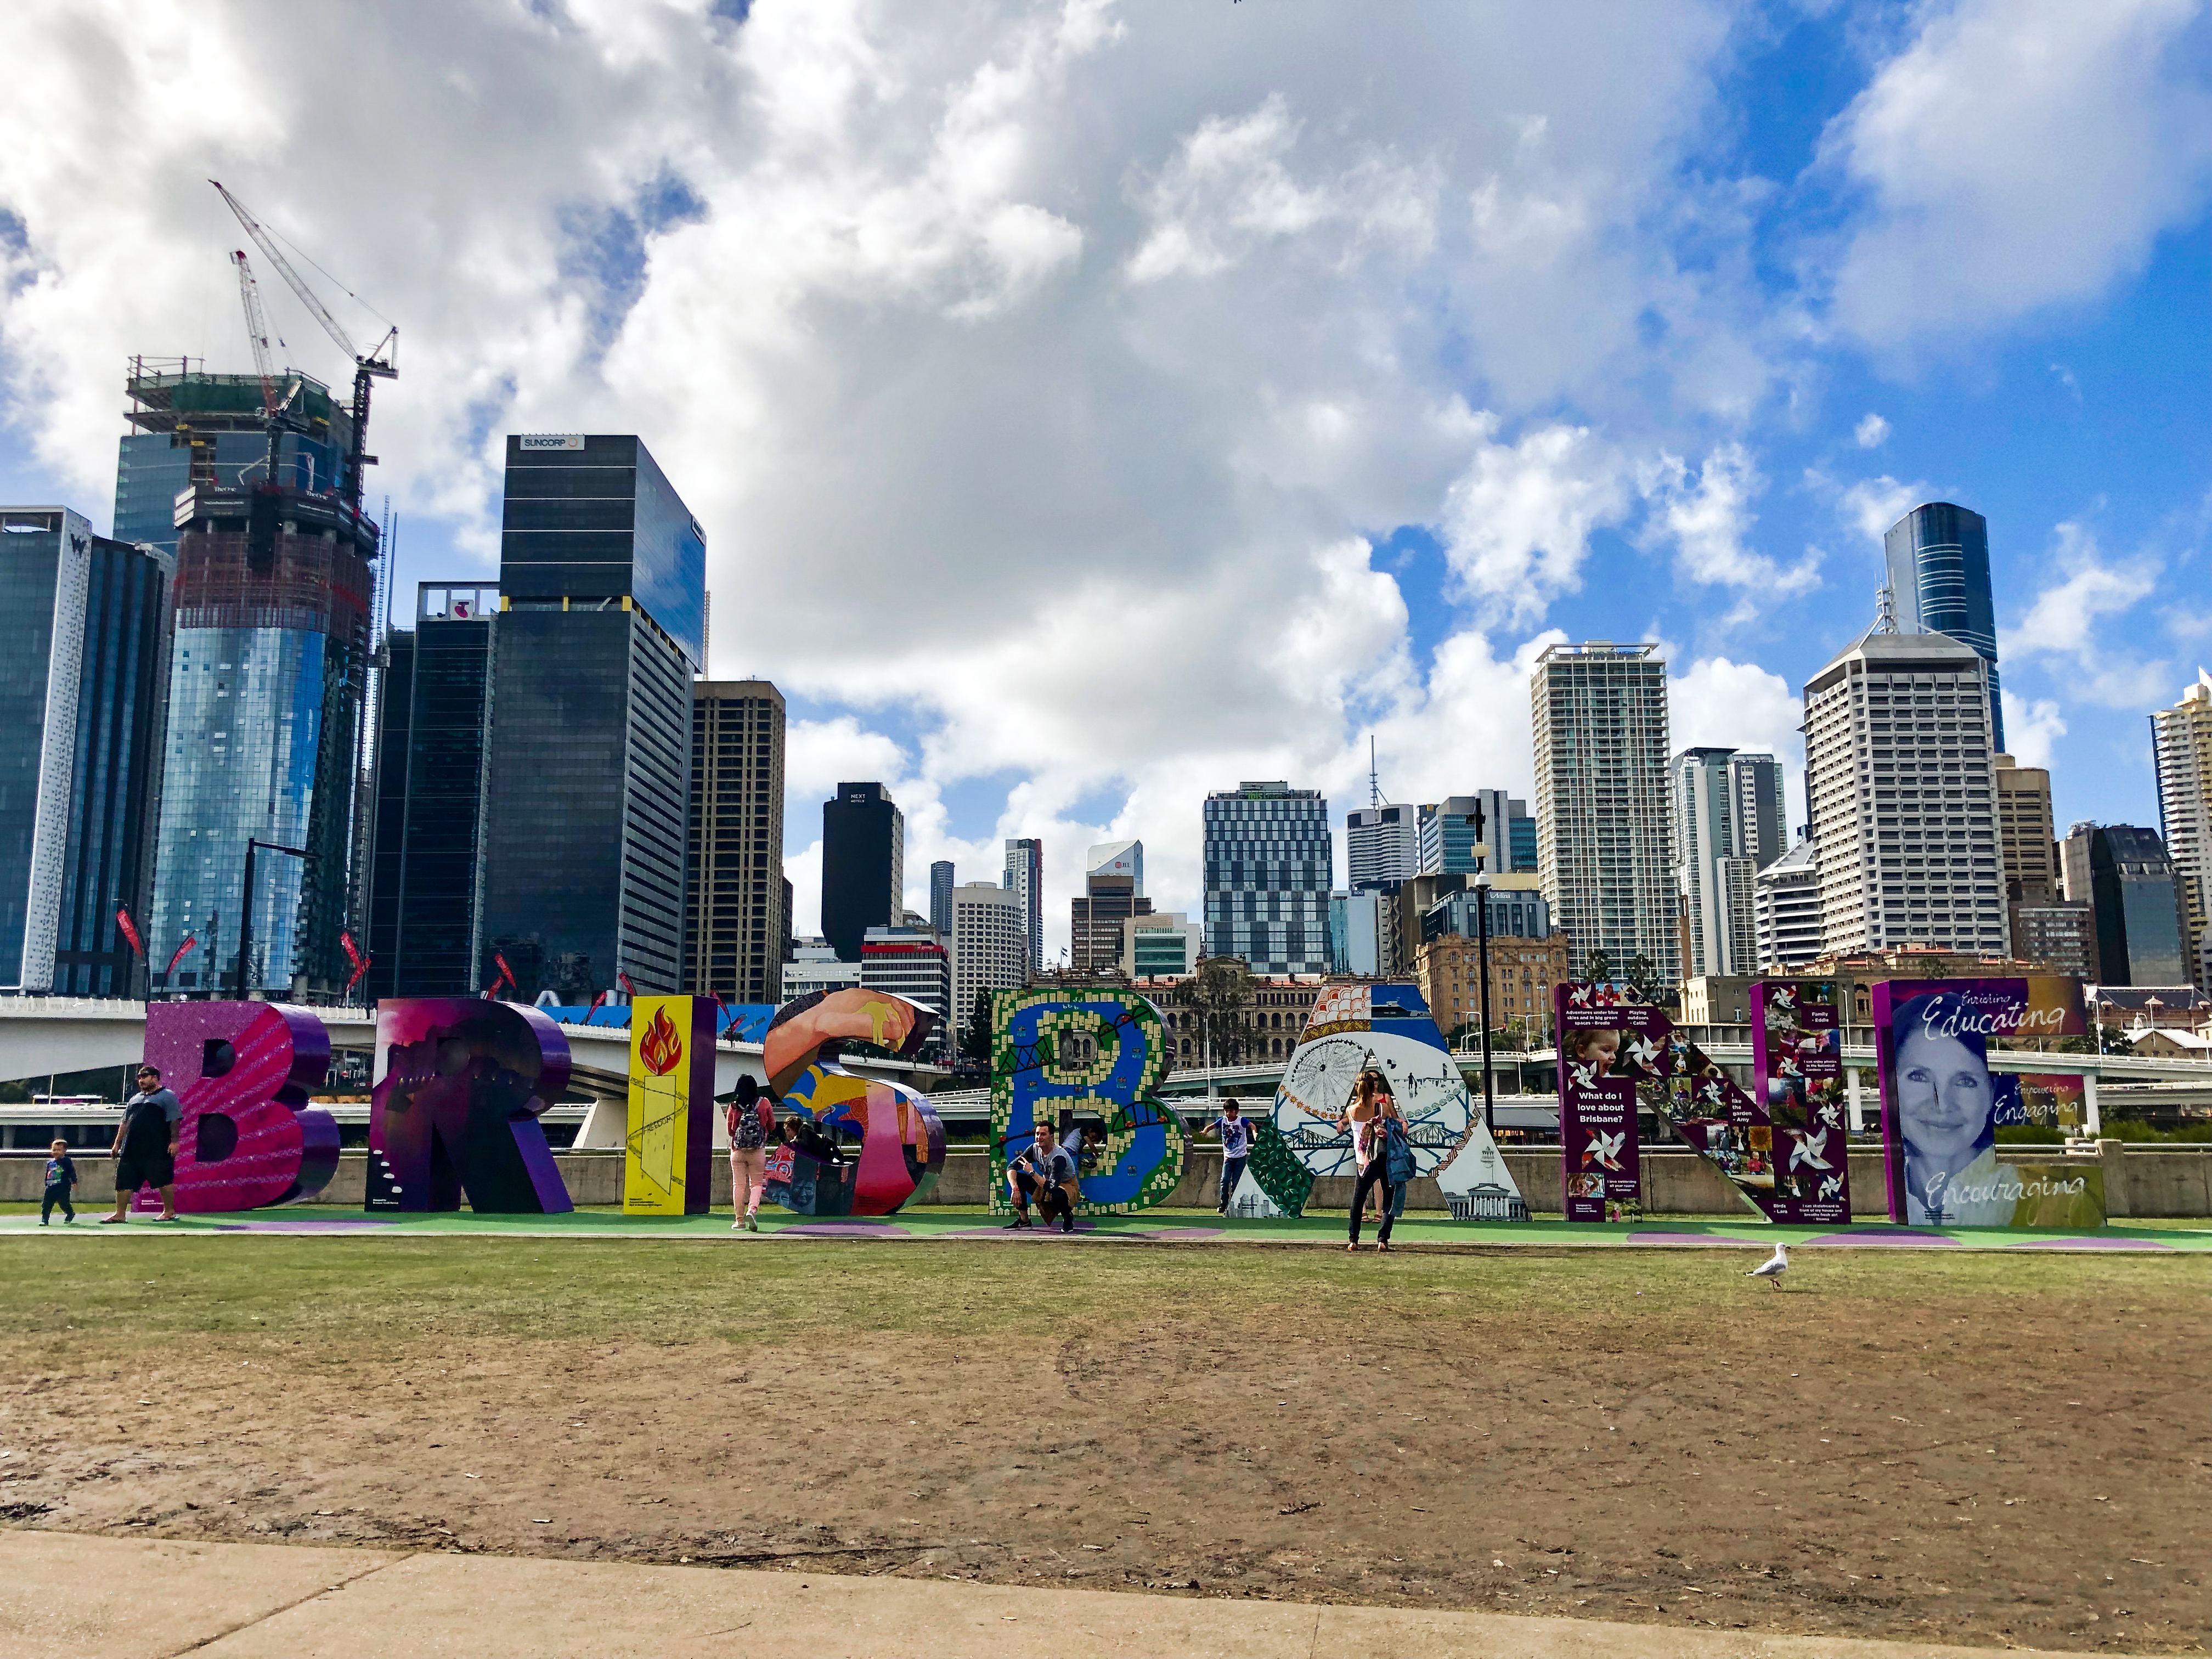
[(1773, 1267)]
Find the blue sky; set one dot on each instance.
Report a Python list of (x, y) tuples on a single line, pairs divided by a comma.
[(1094, 402)]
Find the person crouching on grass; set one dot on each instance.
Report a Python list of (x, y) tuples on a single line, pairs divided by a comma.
[(1368, 1115), (1044, 1172)]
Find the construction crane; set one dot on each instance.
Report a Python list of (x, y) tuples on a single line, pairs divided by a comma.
[(275, 411), (382, 363)]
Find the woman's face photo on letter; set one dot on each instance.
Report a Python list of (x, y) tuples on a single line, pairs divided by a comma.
[(1943, 1095)]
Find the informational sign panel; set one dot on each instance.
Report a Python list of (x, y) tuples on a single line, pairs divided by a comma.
[(1606, 1047), (668, 1151), (1942, 1105), (1781, 1148)]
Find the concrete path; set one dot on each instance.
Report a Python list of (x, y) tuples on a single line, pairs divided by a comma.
[(63, 1594)]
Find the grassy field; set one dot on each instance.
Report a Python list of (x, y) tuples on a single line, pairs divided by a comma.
[(1951, 1445)]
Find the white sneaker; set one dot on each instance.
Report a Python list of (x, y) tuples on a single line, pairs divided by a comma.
[(752, 1223), (739, 1225)]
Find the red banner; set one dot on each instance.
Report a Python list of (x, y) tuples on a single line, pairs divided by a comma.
[(130, 931), (354, 956), (189, 942)]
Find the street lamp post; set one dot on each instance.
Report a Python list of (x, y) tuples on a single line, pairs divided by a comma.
[(245, 911), (1482, 966)]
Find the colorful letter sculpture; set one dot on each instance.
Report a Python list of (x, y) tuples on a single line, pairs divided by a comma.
[(1093, 1058), (1388, 1028), (1942, 1105), (243, 1072), (893, 1134), (460, 1083), (1794, 1168), (668, 1154)]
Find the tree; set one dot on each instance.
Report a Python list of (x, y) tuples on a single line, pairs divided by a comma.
[(975, 1041), (1597, 966), (1218, 1000), (1643, 981)]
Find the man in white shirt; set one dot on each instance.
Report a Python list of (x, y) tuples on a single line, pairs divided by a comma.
[(1235, 1132)]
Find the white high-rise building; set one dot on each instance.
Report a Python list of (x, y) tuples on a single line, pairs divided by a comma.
[(1901, 773), (2181, 738), (1025, 875), (990, 945), (1728, 824), (1604, 835), (1383, 843), (1785, 901)]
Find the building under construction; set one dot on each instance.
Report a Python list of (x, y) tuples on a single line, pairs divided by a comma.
[(273, 596)]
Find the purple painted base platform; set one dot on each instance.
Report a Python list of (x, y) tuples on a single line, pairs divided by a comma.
[(2089, 1244)]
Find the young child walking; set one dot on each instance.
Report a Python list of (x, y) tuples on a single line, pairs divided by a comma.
[(61, 1180)]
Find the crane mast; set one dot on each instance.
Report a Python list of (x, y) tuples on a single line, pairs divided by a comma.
[(382, 363)]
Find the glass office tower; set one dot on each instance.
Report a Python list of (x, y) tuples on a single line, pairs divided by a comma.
[(432, 723), (1269, 858), (603, 585), (863, 865), (1939, 577), (84, 632)]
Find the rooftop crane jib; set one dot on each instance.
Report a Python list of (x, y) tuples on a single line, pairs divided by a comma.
[(382, 362), (276, 411)]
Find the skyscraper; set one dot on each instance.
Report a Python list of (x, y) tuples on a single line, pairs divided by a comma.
[(2135, 895), (2181, 741), (84, 634), (1938, 557), (990, 939), (863, 865), (733, 920), (1383, 843), (1786, 910), (603, 582), (940, 897), (1025, 875), (1488, 831), (1268, 859), (1113, 892), (1727, 826), (1604, 834), (426, 846), (271, 596), (1901, 775)]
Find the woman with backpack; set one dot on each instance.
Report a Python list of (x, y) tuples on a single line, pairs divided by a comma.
[(1372, 1116), (750, 1118)]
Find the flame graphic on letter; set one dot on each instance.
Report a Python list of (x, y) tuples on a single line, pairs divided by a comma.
[(661, 1047)]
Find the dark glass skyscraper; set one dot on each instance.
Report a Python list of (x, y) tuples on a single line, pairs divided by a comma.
[(603, 584), (431, 729), (84, 634), (1939, 577), (863, 865)]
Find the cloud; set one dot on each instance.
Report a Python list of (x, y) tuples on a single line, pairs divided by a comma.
[(1517, 522), (1871, 506), (1872, 431), (1228, 191), (2031, 728), (2015, 155), (1710, 521), (2064, 622)]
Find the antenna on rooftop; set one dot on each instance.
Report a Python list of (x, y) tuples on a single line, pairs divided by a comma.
[(1374, 788), (1885, 609)]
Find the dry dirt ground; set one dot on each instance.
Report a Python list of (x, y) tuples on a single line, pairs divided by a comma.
[(1975, 1449)]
